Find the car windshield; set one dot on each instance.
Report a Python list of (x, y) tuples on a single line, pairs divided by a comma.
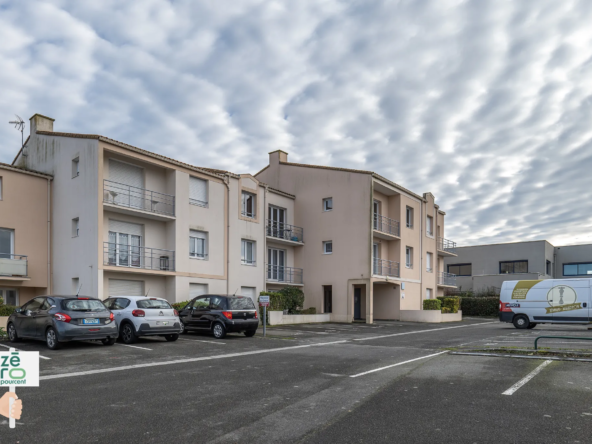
[(241, 303), (152, 303), (83, 305)]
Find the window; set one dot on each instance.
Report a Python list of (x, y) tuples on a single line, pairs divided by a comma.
[(158, 304), (327, 204), (328, 247), (75, 227), (430, 226), (10, 296), (548, 269), (116, 303), (241, 303), (248, 252), (125, 250), (198, 244), (409, 217), (429, 259), (248, 205), (460, 269), (327, 298), (198, 192), (409, 257), (75, 285), (201, 303), (513, 267), (581, 269), (75, 167), (6, 243), (428, 293), (0, 188)]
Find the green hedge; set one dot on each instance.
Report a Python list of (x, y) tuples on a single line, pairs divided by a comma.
[(7, 310), (451, 303), (288, 298), (480, 306), (180, 305), (309, 311), (446, 310), (432, 304)]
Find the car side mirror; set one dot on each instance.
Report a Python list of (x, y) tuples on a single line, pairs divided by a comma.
[(18, 310)]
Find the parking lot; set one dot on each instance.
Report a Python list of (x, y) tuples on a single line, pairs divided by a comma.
[(386, 382)]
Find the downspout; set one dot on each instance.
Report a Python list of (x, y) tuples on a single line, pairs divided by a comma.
[(227, 183), (421, 255), (49, 280), (265, 241)]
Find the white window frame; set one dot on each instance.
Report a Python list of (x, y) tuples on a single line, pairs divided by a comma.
[(429, 262), (199, 237), (328, 204), (11, 254), (409, 216), (409, 257), (430, 226), (76, 227), (245, 260), (197, 202), (76, 167), (325, 244), (130, 251), (244, 197)]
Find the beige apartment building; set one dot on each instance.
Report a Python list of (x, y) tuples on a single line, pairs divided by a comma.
[(372, 247), (25, 218)]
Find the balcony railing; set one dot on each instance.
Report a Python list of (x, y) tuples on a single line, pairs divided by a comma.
[(382, 267), (386, 225), (125, 255), (138, 198), (446, 245), (284, 231), (447, 279), (287, 275), (13, 265)]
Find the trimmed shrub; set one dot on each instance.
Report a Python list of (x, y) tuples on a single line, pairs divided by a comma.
[(7, 310), (3, 334), (180, 305), (452, 303), (480, 306), (1, 301), (288, 298), (446, 310), (309, 311), (432, 304)]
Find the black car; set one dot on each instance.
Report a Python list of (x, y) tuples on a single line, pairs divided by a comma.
[(57, 319), (220, 314)]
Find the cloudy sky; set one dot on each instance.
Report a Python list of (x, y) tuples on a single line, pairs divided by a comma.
[(487, 104)]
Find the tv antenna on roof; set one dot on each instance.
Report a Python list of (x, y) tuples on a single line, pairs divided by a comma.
[(19, 124)]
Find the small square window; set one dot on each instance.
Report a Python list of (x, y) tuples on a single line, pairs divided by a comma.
[(328, 247), (75, 167), (248, 251), (428, 293), (198, 244), (409, 257), (75, 227), (429, 261), (248, 208), (430, 226), (328, 204)]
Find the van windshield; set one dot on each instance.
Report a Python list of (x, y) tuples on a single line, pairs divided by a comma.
[(83, 305), (241, 303)]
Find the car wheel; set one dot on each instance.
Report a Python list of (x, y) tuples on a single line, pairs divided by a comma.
[(218, 330), (51, 338), (250, 333), (521, 321), (108, 341), (171, 338), (12, 335), (128, 334), (532, 325), (183, 329)]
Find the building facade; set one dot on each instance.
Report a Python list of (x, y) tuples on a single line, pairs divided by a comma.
[(361, 261), (486, 267)]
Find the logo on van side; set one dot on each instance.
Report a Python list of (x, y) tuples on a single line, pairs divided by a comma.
[(562, 298), (521, 289)]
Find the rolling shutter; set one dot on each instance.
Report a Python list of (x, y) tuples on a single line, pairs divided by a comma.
[(126, 174), (120, 287), (248, 291), (197, 290), (198, 191), (125, 227)]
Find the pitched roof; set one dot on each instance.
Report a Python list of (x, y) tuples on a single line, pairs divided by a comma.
[(17, 169)]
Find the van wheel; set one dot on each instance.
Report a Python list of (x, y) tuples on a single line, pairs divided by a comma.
[(521, 322), (532, 325)]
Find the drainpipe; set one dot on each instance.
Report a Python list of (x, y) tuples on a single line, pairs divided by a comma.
[(227, 183), (49, 280), (421, 255), (265, 243)]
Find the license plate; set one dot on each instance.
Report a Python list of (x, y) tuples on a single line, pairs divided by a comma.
[(162, 323), (91, 321)]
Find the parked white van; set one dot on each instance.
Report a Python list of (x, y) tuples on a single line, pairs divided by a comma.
[(528, 303)]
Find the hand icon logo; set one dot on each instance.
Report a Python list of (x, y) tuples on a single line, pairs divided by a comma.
[(17, 406)]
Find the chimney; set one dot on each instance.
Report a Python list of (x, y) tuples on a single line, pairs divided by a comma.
[(41, 123), (277, 156)]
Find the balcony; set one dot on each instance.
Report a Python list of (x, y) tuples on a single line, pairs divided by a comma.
[(284, 233), (125, 198), (13, 266), (446, 247), (134, 257), (284, 275), (446, 279), (385, 227), (382, 267)]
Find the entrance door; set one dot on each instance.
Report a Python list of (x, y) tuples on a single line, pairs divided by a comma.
[(276, 261), (328, 298), (357, 303), (277, 221)]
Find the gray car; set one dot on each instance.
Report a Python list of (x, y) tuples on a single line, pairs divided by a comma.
[(57, 319)]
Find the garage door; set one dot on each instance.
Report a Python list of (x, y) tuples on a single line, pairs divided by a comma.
[(197, 290), (120, 287), (250, 292)]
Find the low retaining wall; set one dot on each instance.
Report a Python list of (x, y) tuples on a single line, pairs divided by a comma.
[(3, 320), (279, 318), (435, 316)]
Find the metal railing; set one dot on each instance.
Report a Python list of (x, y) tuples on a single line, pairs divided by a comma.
[(125, 255), (247, 214), (386, 225), (578, 338), (248, 262), (446, 279), (284, 231), (197, 202), (139, 198), (198, 255), (446, 245), (382, 267), (289, 275), (13, 265)]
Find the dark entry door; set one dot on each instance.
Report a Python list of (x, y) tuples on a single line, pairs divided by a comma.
[(328, 298), (357, 303)]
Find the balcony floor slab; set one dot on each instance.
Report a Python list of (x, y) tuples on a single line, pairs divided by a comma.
[(136, 212)]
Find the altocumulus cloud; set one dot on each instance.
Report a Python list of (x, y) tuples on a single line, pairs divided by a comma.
[(487, 104)]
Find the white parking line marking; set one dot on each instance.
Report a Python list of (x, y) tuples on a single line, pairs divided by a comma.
[(396, 365), (528, 377), (18, 349), (135, 346), (199, 340), (184, 361), (424, 331)]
